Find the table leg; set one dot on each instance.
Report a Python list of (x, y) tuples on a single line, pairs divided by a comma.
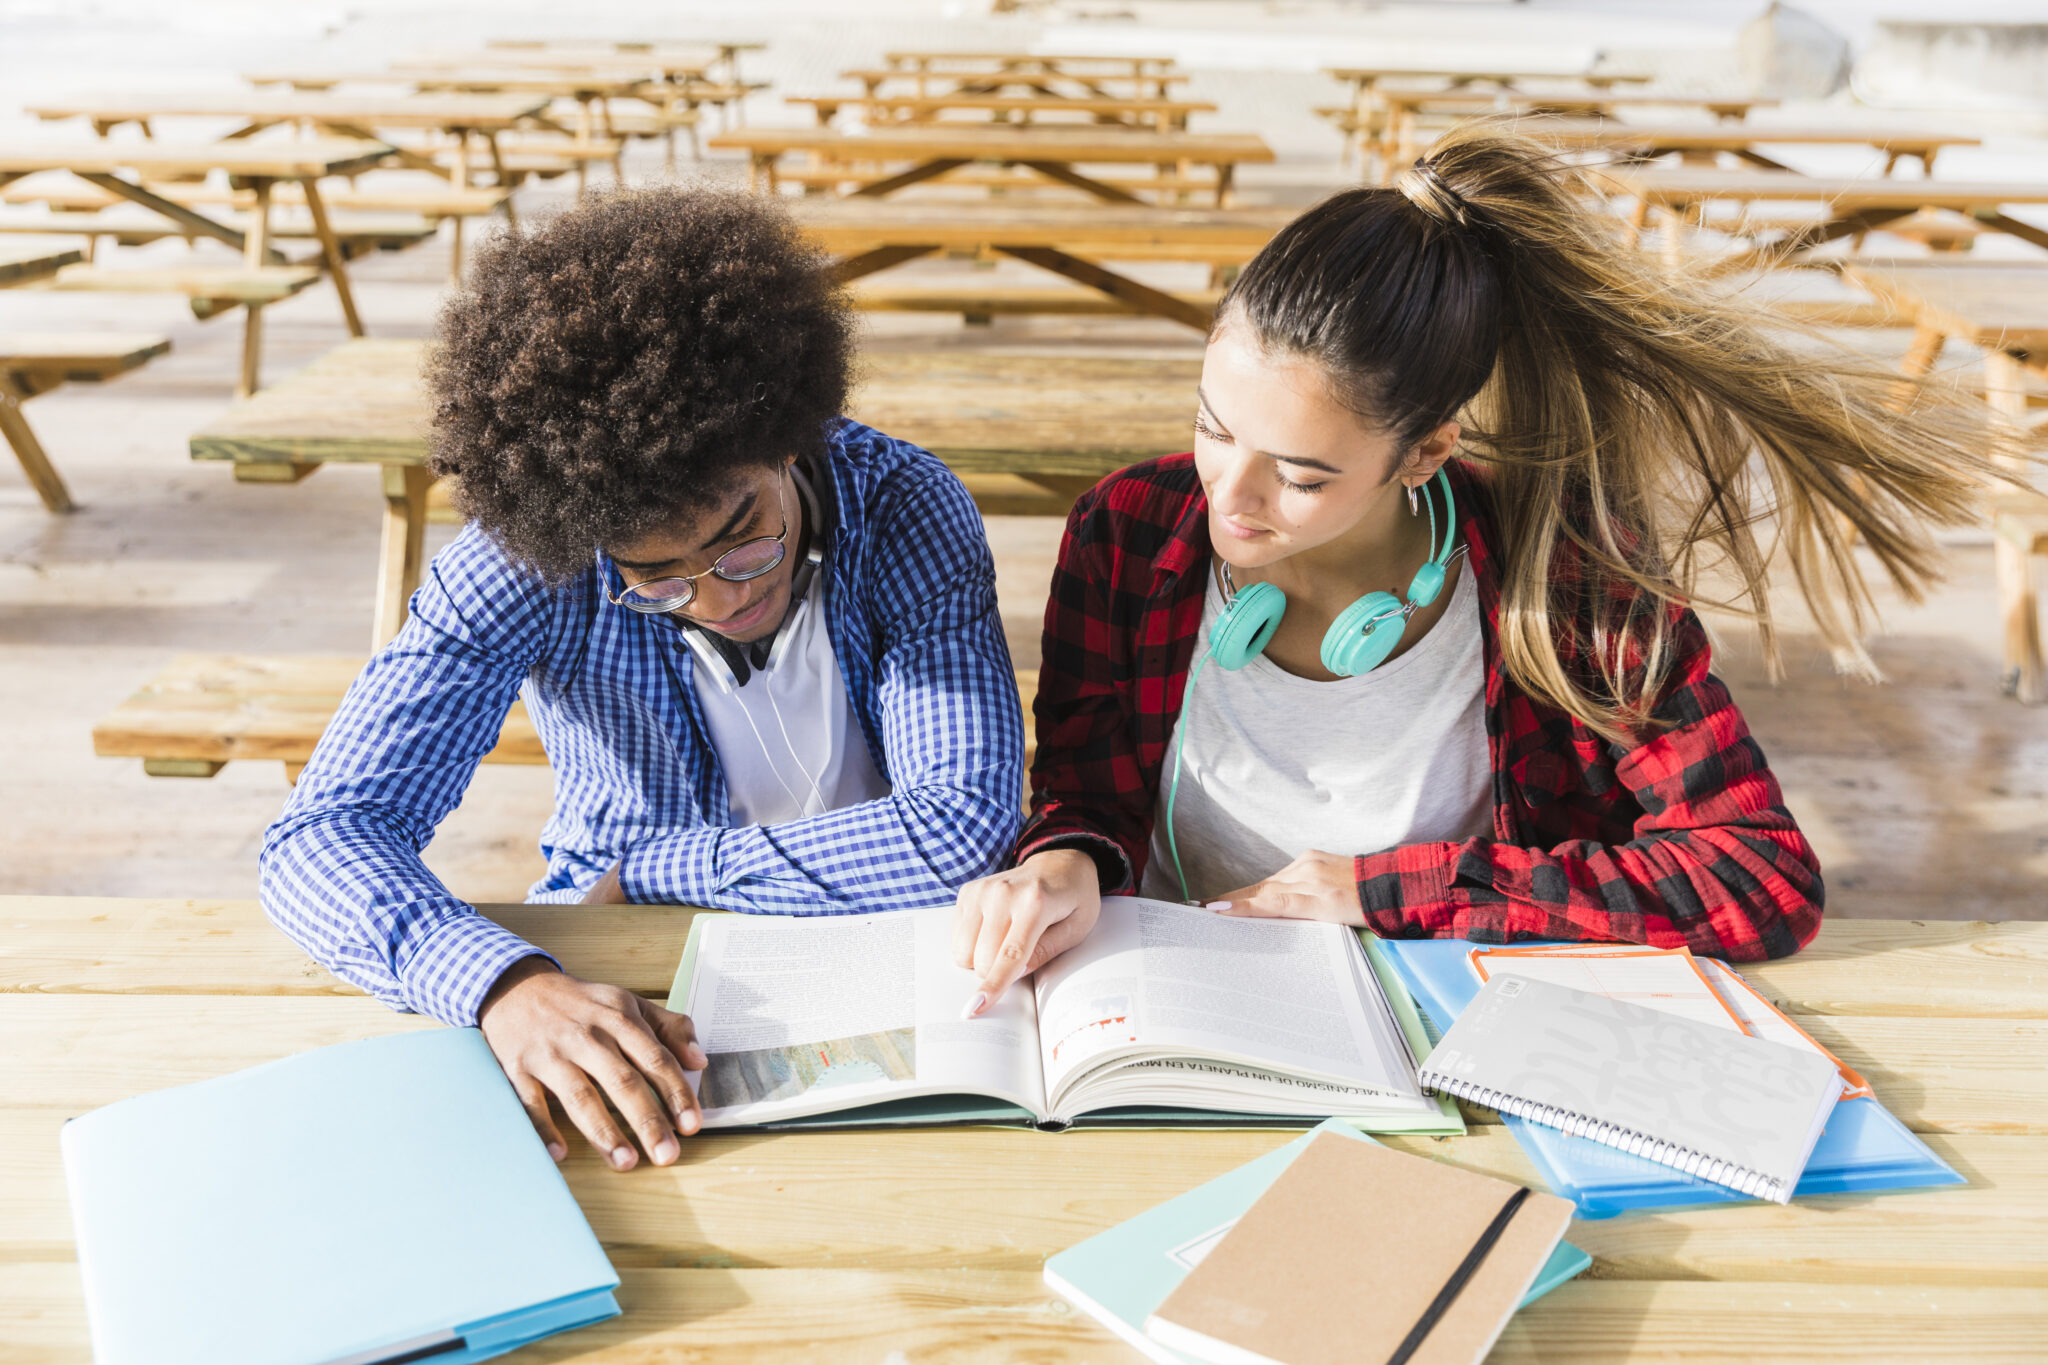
[(1067, 175), (399, 554), (929, 170), (459, 179), (1142, 298), (879, 258), (2005, 389), (253, 249), (330, 247), (193, 221), (35, 464)]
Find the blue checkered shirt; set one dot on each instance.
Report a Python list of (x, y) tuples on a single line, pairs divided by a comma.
[(911, 611)]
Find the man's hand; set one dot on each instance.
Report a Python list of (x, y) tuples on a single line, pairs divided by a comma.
[(586, 1043), (1314, 886), (1017, 921)]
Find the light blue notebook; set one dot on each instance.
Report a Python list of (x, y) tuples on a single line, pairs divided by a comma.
[(376, 1201), (1121, 1275), (1863, 1150)]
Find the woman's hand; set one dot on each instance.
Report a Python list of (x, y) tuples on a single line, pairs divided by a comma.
[(1015, 922), (1314, 886)]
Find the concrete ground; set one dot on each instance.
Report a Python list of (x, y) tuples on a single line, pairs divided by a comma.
[(1927, 796)]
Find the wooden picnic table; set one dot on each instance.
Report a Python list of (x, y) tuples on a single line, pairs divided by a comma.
[(935, 149), (1069, 240), (1855, 206), (1701, 143), (1364, 118), (2001, 307), (1049, 74), (1102, 111), (1405, 103), (257, 164), (460, 116), (1054, 424), (929, 1244)]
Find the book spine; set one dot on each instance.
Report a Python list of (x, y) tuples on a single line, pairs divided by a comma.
[(1739, 1178)]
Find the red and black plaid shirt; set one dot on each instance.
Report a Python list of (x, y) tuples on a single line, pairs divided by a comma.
[(1681, 838)]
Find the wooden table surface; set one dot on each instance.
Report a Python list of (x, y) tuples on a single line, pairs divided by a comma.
[(1217, 236), (269, 158), (1999, 305), (1613, 135), (1058, 422), (984, 142), (854, 1246), (442, 110), (980, 411)]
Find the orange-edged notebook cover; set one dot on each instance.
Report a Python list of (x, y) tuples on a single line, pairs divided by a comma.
[(1352, 1248)]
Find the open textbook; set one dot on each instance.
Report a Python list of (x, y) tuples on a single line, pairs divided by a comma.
[(1166, 1014)]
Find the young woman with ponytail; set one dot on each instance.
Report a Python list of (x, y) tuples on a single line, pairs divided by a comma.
[(1461, 394)]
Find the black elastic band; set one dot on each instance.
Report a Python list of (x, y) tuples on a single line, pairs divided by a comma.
[(1448, 1295)]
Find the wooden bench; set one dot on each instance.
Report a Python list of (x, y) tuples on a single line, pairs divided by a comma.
[(208, 710), (33, 364), (359, 234), (210, 289)]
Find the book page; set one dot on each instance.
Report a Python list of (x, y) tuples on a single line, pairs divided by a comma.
[(1653, 978), (1278, 995), (806, 1015)]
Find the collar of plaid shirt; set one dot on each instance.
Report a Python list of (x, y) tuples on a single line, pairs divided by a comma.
[(1120, 634)]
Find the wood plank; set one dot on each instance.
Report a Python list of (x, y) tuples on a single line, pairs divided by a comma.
[(754, 1315), (1999, 305), (1686, 186), (1002, 1199), (1936, 1075), (20, 265), (995, 142), (115, 946), (76, 357), (282, 160), (444, 111), (981, 411), (1899, 969), (241, 284)]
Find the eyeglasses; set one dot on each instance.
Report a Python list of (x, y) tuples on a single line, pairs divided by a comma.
[(745, 561)]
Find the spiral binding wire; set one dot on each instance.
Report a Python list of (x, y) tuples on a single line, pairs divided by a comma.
[(1752, 1183)]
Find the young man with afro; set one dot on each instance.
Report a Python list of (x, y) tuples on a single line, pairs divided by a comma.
[(758, 640)]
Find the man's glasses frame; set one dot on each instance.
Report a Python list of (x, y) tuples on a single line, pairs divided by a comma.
[(681, 590)]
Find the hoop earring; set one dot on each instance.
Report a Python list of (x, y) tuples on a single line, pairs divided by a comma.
[(1414, 502)]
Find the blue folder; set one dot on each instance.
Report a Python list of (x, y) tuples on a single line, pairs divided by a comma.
[(1864, 1149), (1121, 1275), (375, 1201)]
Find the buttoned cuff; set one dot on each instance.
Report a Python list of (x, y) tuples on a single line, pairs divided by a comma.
[(1112, 864), (1411, 881), (450, 972)]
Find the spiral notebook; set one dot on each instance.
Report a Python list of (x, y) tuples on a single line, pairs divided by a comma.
[(1742, 1112)]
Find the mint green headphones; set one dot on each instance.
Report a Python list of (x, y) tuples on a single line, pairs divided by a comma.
[(1356, 643)]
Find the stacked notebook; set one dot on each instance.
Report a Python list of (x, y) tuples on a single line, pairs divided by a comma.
[(1860, 1146), (365, 1204), (1397, 1236)]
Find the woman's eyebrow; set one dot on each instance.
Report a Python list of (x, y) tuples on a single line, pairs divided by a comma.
[(1222, 430)]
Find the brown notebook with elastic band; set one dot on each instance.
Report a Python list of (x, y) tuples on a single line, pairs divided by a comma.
[(1362, 1255)]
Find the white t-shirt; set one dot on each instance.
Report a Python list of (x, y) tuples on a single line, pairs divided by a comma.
[(1276, 765), (787, 740)]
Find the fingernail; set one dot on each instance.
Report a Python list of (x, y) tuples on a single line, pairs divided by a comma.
[(622, 1156), (688, 1122), (695, 1058), (976, 1005), (557, 1150), (1217, 905), (666, 1151)]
